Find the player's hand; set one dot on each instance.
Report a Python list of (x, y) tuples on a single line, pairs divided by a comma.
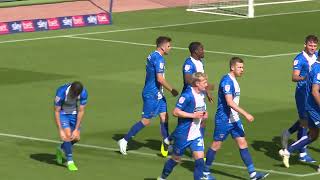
[(198, 115), (249, 117), (63, 135), (210, 97), (174, 92), (75, 134), (205, 115)]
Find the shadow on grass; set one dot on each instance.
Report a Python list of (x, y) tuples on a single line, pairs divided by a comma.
[(271, 149), (46, 158), (135, 145), (190, 166)]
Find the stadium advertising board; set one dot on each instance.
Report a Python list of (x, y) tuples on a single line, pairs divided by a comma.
[(54, 23)]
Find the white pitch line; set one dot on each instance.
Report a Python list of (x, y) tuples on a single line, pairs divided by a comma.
[(148, 154), (152, 45), (155, 27)]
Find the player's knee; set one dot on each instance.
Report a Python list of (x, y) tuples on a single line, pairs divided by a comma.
[(216, 145), (314, 134), (145, 122), (176, 159)]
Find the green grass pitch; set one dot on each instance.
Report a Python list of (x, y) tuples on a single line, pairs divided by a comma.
[(111, 65)]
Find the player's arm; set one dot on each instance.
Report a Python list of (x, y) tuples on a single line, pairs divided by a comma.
[(80, 113), (209, 88), (296, 76), (80, 116), (182, 114), (234, 106), (316, 93), (166, 85), (57, 110)]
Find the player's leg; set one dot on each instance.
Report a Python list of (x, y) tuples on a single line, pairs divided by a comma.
[(149, 108), (61, 149), (299, 99), (179, 147), (303, 131), (164, 127), (221, 132), (305, 140), (197, 148), (238, 135), (68, 145)]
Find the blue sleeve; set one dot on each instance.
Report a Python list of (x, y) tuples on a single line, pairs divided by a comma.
[(316, 78), (227, 87), (60, 96), (159, 65), (188, 68), (183, 102), (297, 64), (83, 97)]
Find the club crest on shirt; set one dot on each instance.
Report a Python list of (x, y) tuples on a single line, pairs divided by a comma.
[(295, 62), (181, 100), (187, 67), (227, 88), (161, 65)]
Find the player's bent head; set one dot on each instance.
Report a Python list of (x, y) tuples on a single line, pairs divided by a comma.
[(162, 40), (194, 46), (311, 39), (234, 61), (198, 77), (76, 88)]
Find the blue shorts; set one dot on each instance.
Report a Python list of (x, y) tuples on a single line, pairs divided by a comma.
[(300, 103), (68, 121), (222, 130), (153, 106), (313, 119), (180, 146)]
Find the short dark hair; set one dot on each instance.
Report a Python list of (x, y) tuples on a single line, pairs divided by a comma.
[(311, 38), (193, 46), (76, 89), (235, 60), (162, 39)]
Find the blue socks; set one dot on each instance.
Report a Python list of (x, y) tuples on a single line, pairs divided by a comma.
[(198, 169), (302, 132), (164, 129), (211, 154), (67, 148), (246, 158), (305, 140), (294, 127), (134, 130), (168, 167)]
